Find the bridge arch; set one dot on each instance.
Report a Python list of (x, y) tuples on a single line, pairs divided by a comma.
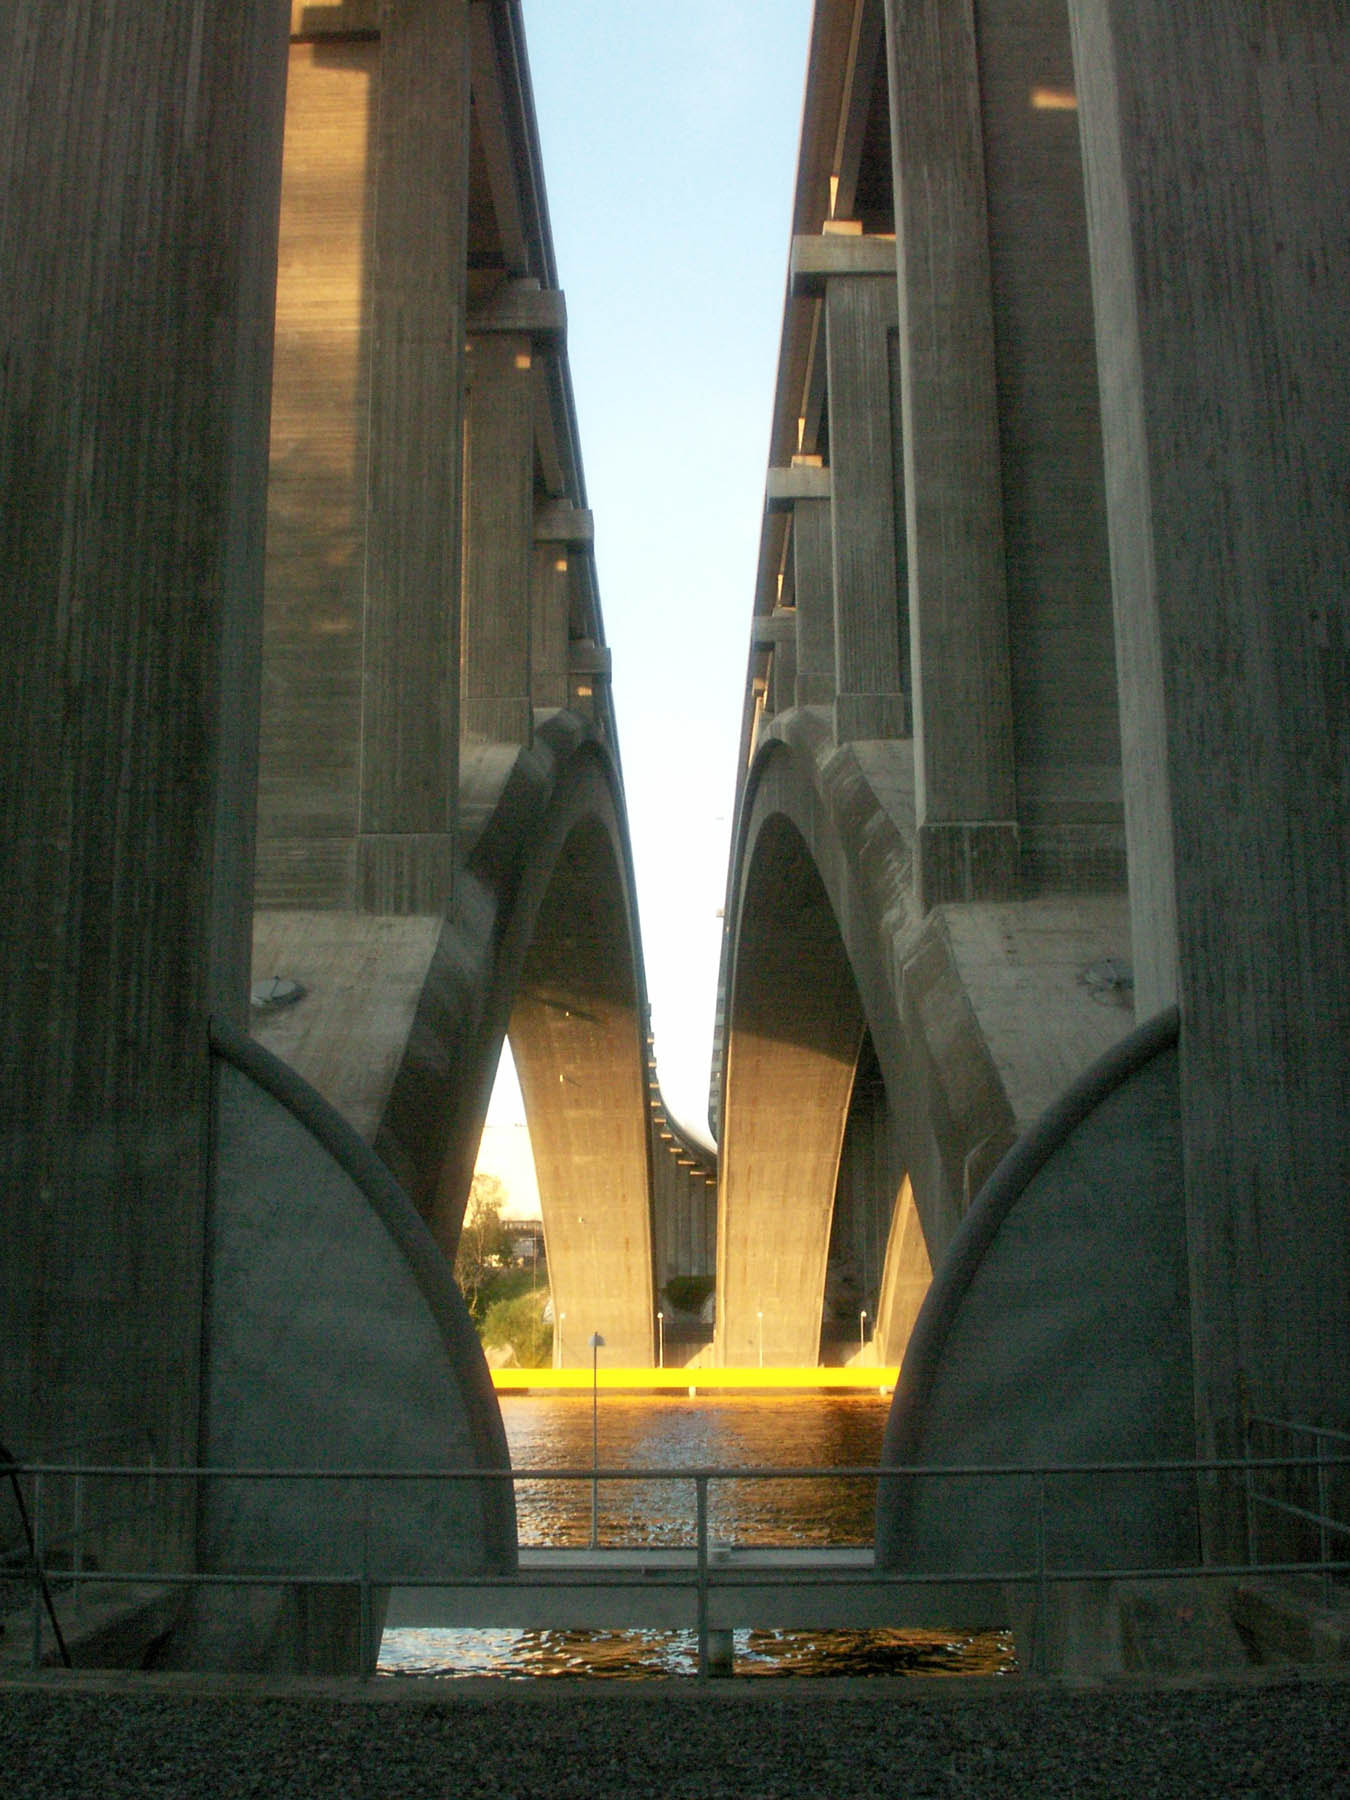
[(542, 943), (830, 970)]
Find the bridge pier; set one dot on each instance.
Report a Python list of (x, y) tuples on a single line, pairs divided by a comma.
[(1219, 257)]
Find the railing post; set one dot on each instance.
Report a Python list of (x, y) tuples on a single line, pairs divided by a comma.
[(1248, 1493), (77, 1539), (1042, 1657), (367, 1652), (39, 1549), (1324, 1543), (701, 1522)]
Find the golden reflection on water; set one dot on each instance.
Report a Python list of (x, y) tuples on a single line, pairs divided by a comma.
[(714, 1431), (725, 1431)]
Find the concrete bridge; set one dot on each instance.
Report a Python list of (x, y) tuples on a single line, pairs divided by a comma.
[(1036, 962)]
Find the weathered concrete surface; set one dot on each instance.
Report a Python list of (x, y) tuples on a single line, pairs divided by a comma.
[(1056, 1332), (1065, 725), (1214, 139), (335, 1339), (361, 663), (964, 785), (1048, 982), (138, 267), (362, 977), (978, 1015)]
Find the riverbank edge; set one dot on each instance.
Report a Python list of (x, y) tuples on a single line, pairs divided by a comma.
[(433, 1691)]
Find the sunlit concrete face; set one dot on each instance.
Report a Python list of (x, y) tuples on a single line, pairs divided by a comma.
[(576, 1039), (796, 1026)]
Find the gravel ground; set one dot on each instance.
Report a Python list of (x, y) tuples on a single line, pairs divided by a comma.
[(108, 1737)]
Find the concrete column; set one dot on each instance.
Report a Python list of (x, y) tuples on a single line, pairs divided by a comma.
[(966, 804), (784, 668), (777, 634), (562, 532), (548, 625), (140, 163), (804, 490), (813, 586), (409, 760), (499, 540), (860, 313), (1215, 140)]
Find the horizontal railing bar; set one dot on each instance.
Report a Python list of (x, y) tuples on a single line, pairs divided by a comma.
[(1318, 1431), (720, 1575), (689, 1471), (1326, 1520)]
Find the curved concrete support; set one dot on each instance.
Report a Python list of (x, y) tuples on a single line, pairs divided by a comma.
[(795, 1030), (404, 1018), (577, 1043), (1057, 1331), (946, 998), (905, 1278), (336, 1338)]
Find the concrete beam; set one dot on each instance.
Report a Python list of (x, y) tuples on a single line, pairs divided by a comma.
[(560, 522), (525, 308), (334, 18), (590, 659), (768, 633), (815, 260), (802, 481)]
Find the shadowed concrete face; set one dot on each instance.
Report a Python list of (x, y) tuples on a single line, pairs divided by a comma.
[(1055, 1331), (576, 1039), (796, 1025)]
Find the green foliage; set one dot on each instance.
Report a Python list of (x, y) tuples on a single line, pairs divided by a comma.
[(688, 1292), (517, 1323), (483, 1243)]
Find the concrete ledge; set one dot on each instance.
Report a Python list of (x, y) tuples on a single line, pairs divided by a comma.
[(785, 1590), (108, 1628)]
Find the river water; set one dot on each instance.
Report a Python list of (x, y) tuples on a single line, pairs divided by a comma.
[(726, 1431)]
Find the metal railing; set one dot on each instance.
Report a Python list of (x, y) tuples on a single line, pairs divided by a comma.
[(1038, 1574), (1313, 1513)]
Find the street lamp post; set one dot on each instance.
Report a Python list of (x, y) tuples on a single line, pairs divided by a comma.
[(661, 1340), (862, 1334), (597, 1345)]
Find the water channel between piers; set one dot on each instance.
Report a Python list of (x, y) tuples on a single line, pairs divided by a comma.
[(723, 1431)]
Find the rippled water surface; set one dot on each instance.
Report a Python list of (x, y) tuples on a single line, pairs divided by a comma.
[(724, 1432)]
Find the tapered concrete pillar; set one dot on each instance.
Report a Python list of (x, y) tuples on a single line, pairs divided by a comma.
[(140, 163), (562, 532), (784, 668), (860, 313), (1215, 140), (804, 490), (499, 542), (966, 804), (409, 751), (813, 588)]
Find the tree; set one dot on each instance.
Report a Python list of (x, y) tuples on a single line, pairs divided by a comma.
[(483, 1241)]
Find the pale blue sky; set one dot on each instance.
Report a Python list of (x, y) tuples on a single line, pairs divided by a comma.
[(669, 136)]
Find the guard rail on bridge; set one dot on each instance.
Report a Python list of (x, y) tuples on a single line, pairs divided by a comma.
[(715, 1587)]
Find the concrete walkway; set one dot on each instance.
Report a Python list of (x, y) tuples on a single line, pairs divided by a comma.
[(1274, 1733)]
